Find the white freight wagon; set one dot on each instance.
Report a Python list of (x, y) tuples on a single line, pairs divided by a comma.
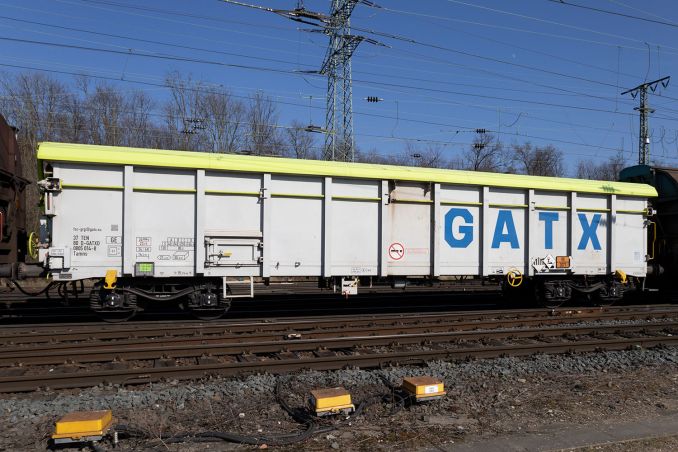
[(171, 224)]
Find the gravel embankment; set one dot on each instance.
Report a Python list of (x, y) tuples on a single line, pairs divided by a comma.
[(485, 398)]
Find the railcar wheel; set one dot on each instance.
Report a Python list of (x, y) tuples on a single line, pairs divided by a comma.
[(112, 307), (207, 305), (608, 295), (552, 294), (602, 301)]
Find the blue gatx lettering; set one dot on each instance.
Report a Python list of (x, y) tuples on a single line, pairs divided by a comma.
[(548, 218), (588, 231), (505, 221), (465, 230), (459, 233)]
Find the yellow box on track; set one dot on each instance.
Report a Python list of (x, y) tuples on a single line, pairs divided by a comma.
[(83, 425), (331, 400), (424, 388)]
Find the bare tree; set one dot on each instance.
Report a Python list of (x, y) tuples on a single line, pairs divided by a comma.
[(105, 112), (609, 170), (137, 125), (299, 142), (183, 121), (485, 154), (538, 161), (33, 103), (429, 155), (224, 121), (262, 136)]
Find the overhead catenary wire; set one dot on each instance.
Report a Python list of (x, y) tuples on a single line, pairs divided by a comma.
[(206, 89), (418, 79), (553, 22), (358, 113), (515, 29), (296, 73), (449, 49), (130, 52), (615, 13), (626, 5), (166, 134), (435, 100), (180, 14), (248, 56), (168, 12), (404, 86), (147, 41)]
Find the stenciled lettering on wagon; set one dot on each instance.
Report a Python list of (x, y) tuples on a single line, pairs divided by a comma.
[(85, 241), (588, 231), (176, 248), (144, 247), (459, 229)]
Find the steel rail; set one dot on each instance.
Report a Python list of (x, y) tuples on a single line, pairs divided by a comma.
[(154, 351), (40, 334), (133, 324), (226, 337), (20, 383)]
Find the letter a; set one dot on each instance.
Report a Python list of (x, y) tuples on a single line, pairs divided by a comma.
[(505, 220)]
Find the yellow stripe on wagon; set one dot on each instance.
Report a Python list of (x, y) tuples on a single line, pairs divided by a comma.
[(85, 153)]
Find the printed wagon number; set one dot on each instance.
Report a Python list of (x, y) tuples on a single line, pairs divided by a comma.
[(396, 251)]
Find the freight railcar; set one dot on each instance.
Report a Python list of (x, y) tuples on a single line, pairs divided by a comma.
[(13, 234), (205, 228), (663, 269)]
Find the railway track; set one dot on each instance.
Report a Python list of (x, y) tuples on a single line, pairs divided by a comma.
[(283, 305), (68, 356)]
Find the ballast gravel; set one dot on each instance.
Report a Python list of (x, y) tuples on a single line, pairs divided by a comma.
[(486, 398)]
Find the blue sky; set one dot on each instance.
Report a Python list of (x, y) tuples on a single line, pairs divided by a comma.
[(529, 70)]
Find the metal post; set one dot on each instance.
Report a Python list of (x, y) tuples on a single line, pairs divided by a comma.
[(644, 110)]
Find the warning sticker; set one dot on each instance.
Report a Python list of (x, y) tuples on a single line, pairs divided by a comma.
[(396, 251)]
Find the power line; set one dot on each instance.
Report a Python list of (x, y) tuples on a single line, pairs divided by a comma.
[(552, 22), (147, 55), (296, 73), (436, 100), (647, 13), (482, 57), (131, 38), (147, 41), (458, 127), (260, 58), (518, 30), (434, 19), (180, 14), (615, 13), (409, 40)]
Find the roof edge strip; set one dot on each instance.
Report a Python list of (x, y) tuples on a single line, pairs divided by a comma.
[(84, 153)]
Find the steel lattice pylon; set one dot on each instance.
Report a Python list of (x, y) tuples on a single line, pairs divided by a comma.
[(336, 66), (339, 143)]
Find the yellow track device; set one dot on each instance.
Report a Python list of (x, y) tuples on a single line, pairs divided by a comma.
[(82, 426), (331, 401), (423, 388)]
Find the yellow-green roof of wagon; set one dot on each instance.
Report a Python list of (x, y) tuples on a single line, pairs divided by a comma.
[(84, 153)]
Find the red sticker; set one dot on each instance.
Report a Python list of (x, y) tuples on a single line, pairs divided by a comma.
[(396, 251)]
